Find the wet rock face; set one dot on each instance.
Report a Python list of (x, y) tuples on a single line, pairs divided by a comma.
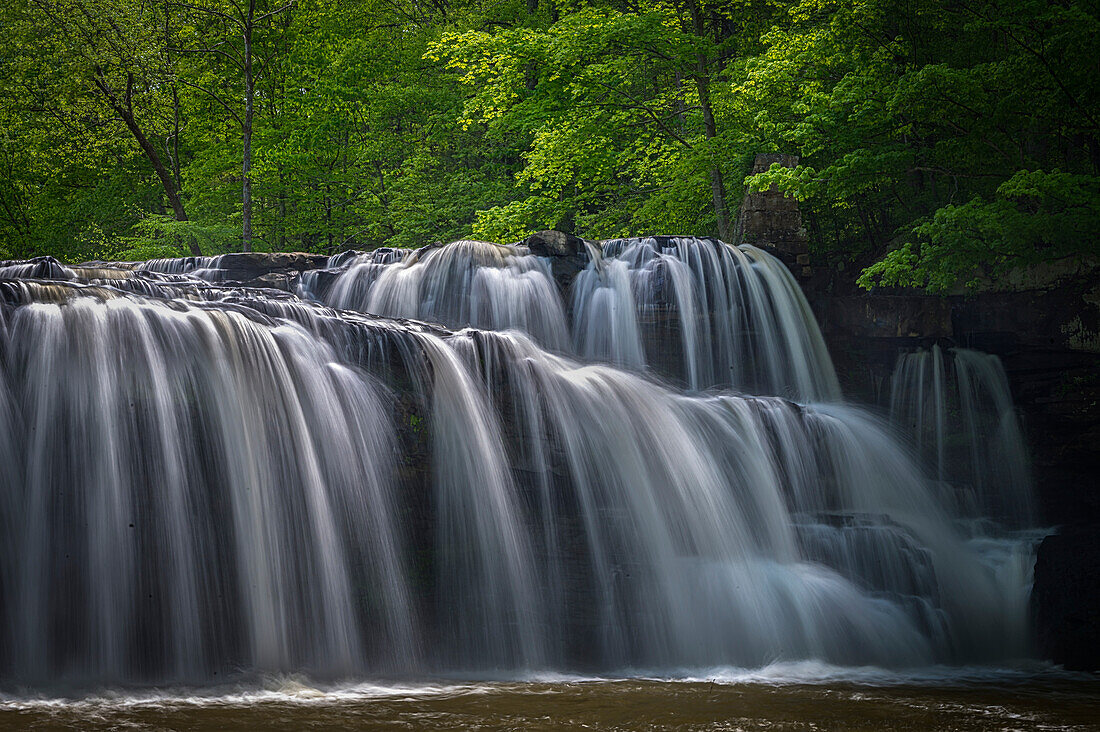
[(277, 270), (567, 253), (551, 243), (1065, 600), (1045, 338), (1055, 381)]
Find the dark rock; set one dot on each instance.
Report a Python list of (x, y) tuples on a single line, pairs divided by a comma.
[(568, 255), (891, 317), (269, 280), (555, 244), (42, 268), (1065, 600), (246, 266), (773, 221)]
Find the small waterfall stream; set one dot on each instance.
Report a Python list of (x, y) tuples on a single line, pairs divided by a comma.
[(740, 317), (449, 467), (957, 408)]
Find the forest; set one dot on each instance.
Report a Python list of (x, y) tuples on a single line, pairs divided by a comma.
[(941, 143)]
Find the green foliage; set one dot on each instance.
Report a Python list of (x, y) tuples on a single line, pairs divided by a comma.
[(961, 139), (945, 143), (604, 100), (160, 236), (1034, 217)]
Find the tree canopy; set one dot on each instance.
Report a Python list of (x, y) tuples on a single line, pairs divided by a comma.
[(942, 143)]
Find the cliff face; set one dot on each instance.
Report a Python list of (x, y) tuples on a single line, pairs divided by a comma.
[(1043, 324), (1046, 339), (1065, 600), (1045, 327)]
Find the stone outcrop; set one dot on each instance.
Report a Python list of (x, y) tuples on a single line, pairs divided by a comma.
[(568, 254), (773, 221), (277, 270)]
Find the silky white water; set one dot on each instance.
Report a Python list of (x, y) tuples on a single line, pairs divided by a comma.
[(699, 311), (957, 408), (209, 480)]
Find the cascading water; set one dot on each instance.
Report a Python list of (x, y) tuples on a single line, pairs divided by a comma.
[(200, 267), (740, 318), (701, 312), (466, 283), (702, 531), (957, 408), (197, 489), (205, 479)]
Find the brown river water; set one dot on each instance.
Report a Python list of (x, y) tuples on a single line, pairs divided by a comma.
[(984, 700)]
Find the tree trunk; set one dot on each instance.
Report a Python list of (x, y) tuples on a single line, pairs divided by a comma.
[(125, 111), (710, 129), (176, 139), (282, 214), (246, 134)]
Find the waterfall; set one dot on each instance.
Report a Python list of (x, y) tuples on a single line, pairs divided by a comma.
[(197, 489), (201, 267), (206, 480), (741, 319), (957, 409), (698, 311), (43, 267), (468, 283)]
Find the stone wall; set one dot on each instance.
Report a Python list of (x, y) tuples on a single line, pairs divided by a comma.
[(772, 221)]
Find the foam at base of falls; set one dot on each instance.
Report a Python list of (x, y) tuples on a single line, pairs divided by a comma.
[(300, 689)]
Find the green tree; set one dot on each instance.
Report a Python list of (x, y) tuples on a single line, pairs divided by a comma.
[(227, 35), (959, 136), (91, 69)]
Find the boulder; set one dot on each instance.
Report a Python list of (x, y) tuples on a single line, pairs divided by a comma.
[(245, 266), (555, 244), (568, 254)]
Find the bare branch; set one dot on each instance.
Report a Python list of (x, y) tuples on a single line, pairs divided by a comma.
[(213, 49), (265, 16), (637, 104), (216, 98)]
